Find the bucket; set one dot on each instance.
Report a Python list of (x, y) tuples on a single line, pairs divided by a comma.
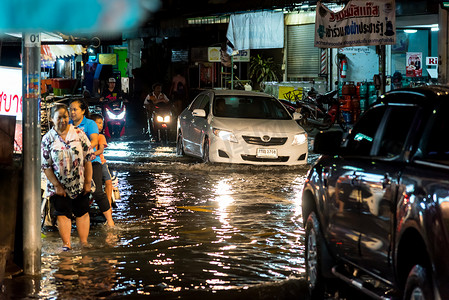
[(347, 116), (363, 90), (363, 104), (345, 104), (348, 89)]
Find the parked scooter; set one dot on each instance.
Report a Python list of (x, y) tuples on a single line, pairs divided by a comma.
[(114, 114), (161, 122), (320, 111)]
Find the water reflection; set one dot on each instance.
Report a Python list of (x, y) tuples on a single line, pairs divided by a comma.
[(186, 227)]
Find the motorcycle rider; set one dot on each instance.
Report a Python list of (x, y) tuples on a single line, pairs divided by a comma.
[(155, 97), (111, 94), (152, 99)]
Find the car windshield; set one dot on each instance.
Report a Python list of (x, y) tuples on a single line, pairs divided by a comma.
[(249, 107)]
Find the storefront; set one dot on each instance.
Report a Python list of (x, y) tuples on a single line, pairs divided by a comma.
[(416, 48)]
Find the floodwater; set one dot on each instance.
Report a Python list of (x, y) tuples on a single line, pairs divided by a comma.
[(183, 229)]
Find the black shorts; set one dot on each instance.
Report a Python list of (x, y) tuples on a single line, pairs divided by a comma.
[(65, 206)]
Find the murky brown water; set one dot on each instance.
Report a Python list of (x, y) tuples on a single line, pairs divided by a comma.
[(183, 229)]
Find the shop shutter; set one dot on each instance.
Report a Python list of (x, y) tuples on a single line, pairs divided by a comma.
[(303, 59)]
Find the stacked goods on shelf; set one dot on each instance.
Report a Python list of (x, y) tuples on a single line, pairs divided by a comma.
[(348, 91), (62, 86), (355, 99), (363, 90), (372, 93)]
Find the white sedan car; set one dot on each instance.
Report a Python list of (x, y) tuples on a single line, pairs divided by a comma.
[(233, 126)]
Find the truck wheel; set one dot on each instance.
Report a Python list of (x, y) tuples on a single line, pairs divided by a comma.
[(318, 260), (419, 284)]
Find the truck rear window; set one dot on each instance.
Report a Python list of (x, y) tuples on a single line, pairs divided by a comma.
[(437, 146)]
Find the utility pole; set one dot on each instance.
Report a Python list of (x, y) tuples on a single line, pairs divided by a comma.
[(31, 73)]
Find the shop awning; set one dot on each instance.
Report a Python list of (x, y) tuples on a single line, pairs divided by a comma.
[(49, 53), (65, 50)]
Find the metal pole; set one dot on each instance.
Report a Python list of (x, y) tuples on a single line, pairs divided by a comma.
[(31, 70), (443, 46), (232, 72), (382, 70)]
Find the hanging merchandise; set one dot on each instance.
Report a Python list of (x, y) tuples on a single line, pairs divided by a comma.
[(343, 67)]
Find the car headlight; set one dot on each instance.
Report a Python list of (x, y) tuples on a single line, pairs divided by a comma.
[(299, 139), (225, 135)]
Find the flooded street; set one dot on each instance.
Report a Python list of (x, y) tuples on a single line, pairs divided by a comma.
[(183, 229)]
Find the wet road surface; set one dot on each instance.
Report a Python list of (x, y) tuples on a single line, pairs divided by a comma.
[(183, 229)]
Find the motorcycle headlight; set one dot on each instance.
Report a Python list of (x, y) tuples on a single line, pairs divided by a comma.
[(121, 115), (299, 139), (163, 119), (225, 135), (113, 116), (110, 114)]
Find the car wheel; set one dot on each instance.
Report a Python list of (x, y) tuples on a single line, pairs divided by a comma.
[(419, 284), (318, 260), (179, 145), (206, 150)]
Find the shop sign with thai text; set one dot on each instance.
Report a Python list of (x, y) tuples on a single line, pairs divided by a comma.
[(11, 92), (359, 23)]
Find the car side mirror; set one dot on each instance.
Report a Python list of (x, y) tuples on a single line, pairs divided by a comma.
[(197, 112), (328, 142), (297, 116)]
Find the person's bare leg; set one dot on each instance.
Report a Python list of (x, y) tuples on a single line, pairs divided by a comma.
[(82, 226), (108, 190), (65, 228), (108, 215)]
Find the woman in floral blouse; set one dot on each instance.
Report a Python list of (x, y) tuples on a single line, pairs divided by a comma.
[(66, 161)]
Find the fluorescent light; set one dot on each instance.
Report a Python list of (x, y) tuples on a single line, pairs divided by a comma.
[(410, 30)]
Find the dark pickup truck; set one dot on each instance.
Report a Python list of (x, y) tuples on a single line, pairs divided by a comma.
[(376, 203)]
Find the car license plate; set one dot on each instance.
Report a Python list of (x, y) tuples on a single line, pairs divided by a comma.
[(267, 153)]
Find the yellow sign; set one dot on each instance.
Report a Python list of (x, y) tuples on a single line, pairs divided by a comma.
[(107, 58), (213, 54), (289, 93)]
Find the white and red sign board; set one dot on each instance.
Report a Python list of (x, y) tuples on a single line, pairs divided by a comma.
[(359, 23), (11, 92), (432, 61), (11, 99)]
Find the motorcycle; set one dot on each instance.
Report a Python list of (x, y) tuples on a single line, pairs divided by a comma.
[(321, 111), (161, 122), (114, 114)]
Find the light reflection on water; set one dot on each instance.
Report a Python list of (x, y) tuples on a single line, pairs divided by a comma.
[(183, 227)]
